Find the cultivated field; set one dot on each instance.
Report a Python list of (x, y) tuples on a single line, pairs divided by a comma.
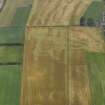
[(96, 73), (55, 65), (11, 35), (21, 16), (11, 54), (89, 39), (10, 81), (43, 62), (11, 50), (57, 12)]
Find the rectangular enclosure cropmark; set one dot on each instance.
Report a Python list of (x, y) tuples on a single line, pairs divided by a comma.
[(56, 68)]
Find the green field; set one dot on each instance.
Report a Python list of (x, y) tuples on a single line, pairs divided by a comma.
[(11, 51), (21, 16), (96, 63), (11, 35), (10, 81), (95, 10), (14, 35), (11, 54)]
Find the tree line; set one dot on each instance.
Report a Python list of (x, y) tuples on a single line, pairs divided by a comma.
[(87, 21)]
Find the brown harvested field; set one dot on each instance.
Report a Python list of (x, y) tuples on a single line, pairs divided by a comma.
[(88, 39), (53, 74), (57, 12), (44, 60), (77, 57), (79, 88)]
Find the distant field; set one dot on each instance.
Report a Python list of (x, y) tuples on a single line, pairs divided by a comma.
[(95, 10), (10, 81), (96, 69)]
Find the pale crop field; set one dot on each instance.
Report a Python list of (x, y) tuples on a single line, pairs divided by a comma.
[(57, 12)]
